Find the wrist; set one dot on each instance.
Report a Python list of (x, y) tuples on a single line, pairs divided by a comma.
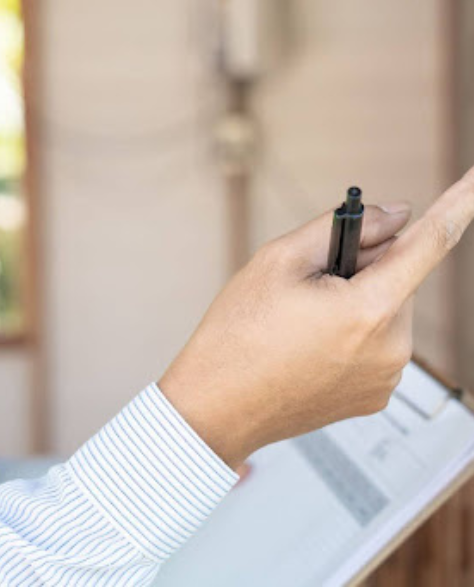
[(219, 417)]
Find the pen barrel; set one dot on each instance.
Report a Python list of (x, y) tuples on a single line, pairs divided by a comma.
[(335, 242), (351, 238)]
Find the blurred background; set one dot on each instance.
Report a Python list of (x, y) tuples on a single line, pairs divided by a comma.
[(147, 148)]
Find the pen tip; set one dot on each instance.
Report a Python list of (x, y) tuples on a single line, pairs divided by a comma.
[(354, 192), (353, 200)]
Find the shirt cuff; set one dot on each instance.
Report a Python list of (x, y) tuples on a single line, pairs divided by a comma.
[(151, 475)]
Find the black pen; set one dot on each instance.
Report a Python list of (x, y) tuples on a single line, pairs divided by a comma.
[(345, 235)]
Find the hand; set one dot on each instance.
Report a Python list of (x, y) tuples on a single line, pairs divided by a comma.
[(285, 349)]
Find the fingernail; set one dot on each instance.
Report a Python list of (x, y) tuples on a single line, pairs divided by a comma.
[(396, 207)]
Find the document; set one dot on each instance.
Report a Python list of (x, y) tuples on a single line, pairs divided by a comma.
[(316, 510)]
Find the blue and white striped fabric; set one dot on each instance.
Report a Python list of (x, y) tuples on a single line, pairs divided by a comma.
[(122, 505)]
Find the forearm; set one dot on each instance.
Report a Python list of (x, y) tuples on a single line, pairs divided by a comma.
[(122, 505)]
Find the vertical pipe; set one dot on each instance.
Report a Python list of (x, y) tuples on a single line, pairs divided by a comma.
[(238, 183), (39, 407)]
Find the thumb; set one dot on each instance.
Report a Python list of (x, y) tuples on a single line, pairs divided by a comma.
[(311, 241)]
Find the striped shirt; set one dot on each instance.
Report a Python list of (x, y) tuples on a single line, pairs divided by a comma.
[(119, 508)]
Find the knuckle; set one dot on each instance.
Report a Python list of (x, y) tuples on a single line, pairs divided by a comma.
[(445, 235), (275, 253), (454, 232), (379, 401), (385, 394), (377, 404), (383, 401)]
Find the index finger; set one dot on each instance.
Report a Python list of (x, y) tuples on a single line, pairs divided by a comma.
[(424, 245)]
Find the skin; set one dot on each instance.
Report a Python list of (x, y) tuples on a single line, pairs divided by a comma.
[(285, 349)]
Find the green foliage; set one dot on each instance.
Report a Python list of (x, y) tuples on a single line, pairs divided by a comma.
[(12, 161), (11, 6)]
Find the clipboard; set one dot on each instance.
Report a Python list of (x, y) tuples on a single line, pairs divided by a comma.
[(467, 399)]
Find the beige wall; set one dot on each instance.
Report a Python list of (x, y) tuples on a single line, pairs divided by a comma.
[(135, 239), (135, 215)]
